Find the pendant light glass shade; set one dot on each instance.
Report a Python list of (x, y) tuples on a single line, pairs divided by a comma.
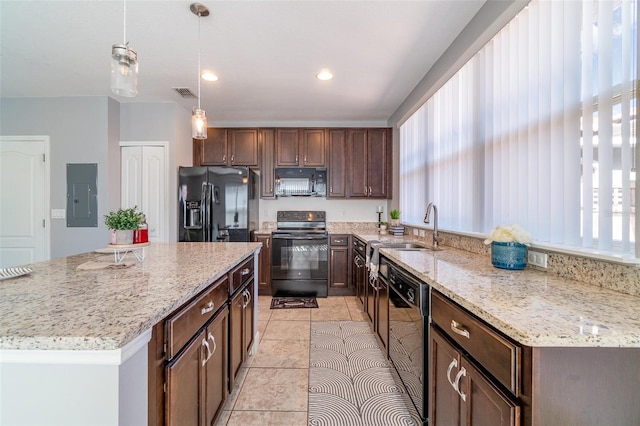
[(198, 124), (124, 71), (198, 116), (124, 65)]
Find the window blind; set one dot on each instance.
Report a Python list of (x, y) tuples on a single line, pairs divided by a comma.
[(537, 129)]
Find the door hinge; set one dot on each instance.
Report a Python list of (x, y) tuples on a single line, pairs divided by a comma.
[(44, 158), (43, 224)]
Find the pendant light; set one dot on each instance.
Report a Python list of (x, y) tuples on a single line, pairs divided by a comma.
[(124, 66), (198, 116)]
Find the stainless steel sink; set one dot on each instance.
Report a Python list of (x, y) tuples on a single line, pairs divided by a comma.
[(408, 247)]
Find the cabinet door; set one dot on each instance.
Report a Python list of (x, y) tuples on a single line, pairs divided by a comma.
[(358, 275), (313, 148), (484, 404), (339, 267), (444, 399), (267, 163), (378, 163), (183, 377), (236, 357), (214, 148), (287, 154), (243, 147), (264, 265), (249, 312), (357, 186), (382, 315), (215, 374), (337, 163)]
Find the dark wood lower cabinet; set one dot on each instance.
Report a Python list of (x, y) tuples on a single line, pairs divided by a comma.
[(461, 395), (241, 329), (340, 266), (264, 265), (196, 386)]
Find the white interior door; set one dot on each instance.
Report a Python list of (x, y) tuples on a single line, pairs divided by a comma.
[(144, 184), (24, 200)]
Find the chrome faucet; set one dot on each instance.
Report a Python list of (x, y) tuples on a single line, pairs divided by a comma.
[(436, 238)]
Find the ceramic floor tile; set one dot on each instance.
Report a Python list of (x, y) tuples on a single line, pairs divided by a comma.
[(262, 326), (357, 315), (270, 418), (300, 314), (282, 354), (287, 330), (330, 302), (331, 314), (264, 314), (274, 389)]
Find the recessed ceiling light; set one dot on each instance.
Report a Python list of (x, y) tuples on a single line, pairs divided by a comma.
[(209, 76), (324, 75)]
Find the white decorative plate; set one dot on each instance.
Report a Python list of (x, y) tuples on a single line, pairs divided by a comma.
[(6, 273)]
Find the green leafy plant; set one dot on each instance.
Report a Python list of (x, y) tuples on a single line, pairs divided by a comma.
[(394, 214), (124, 219)]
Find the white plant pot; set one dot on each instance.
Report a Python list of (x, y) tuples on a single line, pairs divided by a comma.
[(394, 222), (123, 236)]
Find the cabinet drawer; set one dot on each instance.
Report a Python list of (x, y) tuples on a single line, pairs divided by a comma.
[(338, 240), (241, 274), (499, 356), (182, 326)]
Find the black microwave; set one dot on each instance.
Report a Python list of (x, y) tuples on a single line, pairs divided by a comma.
[(301, 182)]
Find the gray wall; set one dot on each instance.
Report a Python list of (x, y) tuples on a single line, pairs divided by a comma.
[(80, 131), (89, 130)]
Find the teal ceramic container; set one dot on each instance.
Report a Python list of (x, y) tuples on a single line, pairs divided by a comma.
[(508, 255)]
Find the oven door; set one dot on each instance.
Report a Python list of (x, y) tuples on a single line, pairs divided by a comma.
[(407, 345), (299, 264)]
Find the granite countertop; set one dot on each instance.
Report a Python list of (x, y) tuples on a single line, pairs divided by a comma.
[(57, 307), (532, 307)]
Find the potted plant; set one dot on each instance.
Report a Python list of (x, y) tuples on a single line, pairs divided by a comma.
[(395, 217), (509, 247), (383, 227), (122, 224)]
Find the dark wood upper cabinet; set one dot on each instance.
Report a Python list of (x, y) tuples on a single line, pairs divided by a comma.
[(337, 165), (287, 147), (227, 147), (369, 154), (211, 151), (267, 163), (243, 147), (313, 148), (300, 147)]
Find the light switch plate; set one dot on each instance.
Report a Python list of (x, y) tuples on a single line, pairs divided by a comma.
[(58, 213), (537, 258)]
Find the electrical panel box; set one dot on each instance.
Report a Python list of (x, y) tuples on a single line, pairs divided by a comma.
[(82, 195)]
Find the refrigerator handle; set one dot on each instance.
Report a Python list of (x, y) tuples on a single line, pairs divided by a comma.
[(204, 212)]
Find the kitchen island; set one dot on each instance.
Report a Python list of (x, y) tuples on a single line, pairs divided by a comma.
[(73, 343)]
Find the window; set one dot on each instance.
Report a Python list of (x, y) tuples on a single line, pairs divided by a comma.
[(537, 129)]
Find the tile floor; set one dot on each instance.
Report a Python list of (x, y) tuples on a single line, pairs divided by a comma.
[(273, 384)]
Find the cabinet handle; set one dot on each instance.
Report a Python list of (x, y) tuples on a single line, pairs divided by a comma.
[(247, 297), (205, 344), (331, 189), (454, 363), (269, 239), (208, 308), (305, 159), (456, 386), (296, 158), (233, 158), (455, 327), (245, 271), (213, 340), (224, 158)]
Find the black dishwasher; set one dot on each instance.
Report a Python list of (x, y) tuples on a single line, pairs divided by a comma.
[(408, 334)]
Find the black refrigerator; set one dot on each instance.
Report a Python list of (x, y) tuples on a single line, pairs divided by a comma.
[(217, 203)]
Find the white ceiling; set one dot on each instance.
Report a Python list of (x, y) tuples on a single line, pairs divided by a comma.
[(266, 53)]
